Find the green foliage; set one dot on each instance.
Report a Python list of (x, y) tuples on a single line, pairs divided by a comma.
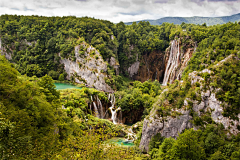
[(27, 114), (140, 96), (35, 42), (208, 143), (139, 39), (33, 125), (154, 144), (61, 77), (164, 148), (187, 147), (214, 44), (53, 74)]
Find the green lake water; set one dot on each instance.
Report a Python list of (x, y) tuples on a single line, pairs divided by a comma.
[(65, 86), (120, 141)]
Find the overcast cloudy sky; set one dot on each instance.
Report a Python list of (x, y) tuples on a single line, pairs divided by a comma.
[(121, 10)]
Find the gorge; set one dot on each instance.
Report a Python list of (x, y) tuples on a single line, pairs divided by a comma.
[(162, 87)]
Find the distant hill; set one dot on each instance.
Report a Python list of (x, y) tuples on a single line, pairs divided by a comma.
[(194, 20)]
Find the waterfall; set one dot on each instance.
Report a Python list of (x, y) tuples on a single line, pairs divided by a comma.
[(114, 114), (173, 61), (156, 75), (131, 135), (111, 98), (105, 114), (96, 110), (100, 107)]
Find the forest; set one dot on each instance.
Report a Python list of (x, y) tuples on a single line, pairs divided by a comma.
[(34, 124)]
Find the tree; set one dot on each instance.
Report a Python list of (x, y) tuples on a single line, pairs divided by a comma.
[(53, 74), (48, 86), (61, 77), (165, 148), (187, 146)]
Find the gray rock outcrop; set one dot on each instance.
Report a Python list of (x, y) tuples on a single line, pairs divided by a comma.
[(89, 68), (113, 62), (167, 126), (3, 51), (133, 69), (171, 126)]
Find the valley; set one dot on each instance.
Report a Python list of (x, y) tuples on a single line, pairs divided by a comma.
[(70, 85)]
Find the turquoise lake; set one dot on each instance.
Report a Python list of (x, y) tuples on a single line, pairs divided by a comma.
[(65, 86), (120, 141)]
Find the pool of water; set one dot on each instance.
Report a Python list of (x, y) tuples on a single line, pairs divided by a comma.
[(65, 86), (120, 141)]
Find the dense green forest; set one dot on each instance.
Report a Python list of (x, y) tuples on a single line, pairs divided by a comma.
[(34, 125)]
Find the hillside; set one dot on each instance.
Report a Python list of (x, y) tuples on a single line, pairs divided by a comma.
[(177, 84), (193, 20)]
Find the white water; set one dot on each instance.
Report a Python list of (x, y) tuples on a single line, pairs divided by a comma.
[(100, 107), (111, 98), (114, 114), (172, 62), (131, 135), (96, 110)]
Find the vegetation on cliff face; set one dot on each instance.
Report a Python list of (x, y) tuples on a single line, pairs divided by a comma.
[(34, 125), (210, 143), (138, 97), (35, 42), (218, 54)]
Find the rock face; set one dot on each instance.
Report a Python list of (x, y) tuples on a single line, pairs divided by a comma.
[(114, 64), (151, 67), (172, 125), (132, 117), (133, 69), (89, 68), (3, 51), (167, 126), (163, 66)]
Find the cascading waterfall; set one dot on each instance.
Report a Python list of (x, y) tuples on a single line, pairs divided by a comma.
[(131, 135), (96, 110), (111, 98), (100, 107), (114, 114), (172, 62)]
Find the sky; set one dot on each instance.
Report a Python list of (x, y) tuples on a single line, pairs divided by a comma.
[(121, 10)]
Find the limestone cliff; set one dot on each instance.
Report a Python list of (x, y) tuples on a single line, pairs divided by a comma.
[(89, 67), (151, 67), (164, 66), (176, 120), (3, 51)]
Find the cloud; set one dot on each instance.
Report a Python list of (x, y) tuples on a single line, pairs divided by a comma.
[(121, 10)]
